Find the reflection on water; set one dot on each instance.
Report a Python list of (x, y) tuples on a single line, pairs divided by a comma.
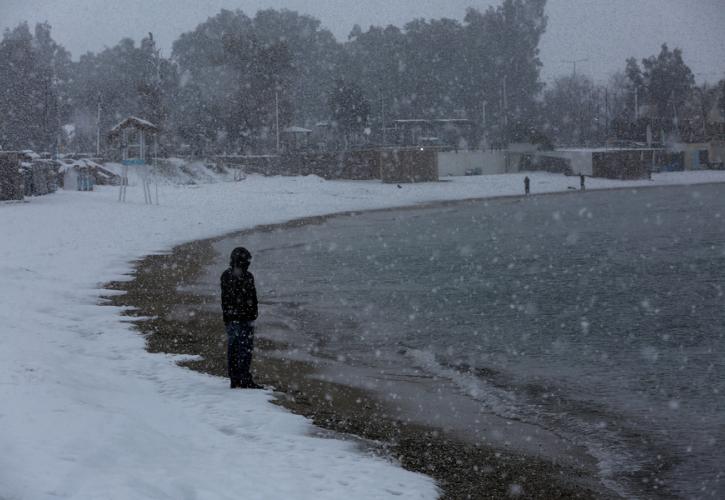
[(599, 315)]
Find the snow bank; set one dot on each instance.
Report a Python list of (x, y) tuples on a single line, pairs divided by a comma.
[(174, 171), (87, 413)]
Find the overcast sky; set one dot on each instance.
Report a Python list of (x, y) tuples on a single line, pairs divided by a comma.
[(605, 32)]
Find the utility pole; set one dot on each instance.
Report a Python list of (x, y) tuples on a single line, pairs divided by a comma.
[(505, 123), (703, 105), (483, 126), (636, 103), (276, 114), (606, 114), (574, 62), (505, 108), (382, 117), (98, 129)]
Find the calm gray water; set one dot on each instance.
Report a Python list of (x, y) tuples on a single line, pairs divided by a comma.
[(597, 315)]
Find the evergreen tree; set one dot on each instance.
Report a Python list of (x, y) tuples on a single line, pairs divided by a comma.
[(242, 75), (503, 45), (124, 80), (664, 82), (573, 112), (349, 108), (33, 69)]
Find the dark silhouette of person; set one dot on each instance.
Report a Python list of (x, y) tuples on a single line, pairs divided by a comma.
[(527, 185), (581, 182), (239, 309)]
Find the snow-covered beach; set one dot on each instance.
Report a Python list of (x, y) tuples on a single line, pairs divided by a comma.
[(88, 413)]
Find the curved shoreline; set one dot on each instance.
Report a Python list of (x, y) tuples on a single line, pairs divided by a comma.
[(455, 464), (153, 293)]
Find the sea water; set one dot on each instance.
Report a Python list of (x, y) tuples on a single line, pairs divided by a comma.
[(597, 315)]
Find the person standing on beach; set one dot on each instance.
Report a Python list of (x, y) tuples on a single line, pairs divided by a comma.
[(239, 309), (527, 184)]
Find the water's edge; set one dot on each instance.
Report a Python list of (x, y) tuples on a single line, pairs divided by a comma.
[(152, 293)]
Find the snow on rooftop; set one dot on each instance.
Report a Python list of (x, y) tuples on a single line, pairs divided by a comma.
[(68, 164), (30, 154), (598, 150), (133, 120), (297, 130)]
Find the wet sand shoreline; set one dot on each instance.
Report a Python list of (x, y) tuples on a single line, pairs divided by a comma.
[(175, 321)]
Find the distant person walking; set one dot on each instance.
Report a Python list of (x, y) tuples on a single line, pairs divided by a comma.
[(581, 182), (239, 309), (527, 185)]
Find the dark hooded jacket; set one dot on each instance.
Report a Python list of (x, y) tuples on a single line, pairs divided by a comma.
[(239, 296)]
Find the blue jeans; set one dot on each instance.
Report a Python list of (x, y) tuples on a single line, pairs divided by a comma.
[(240, 342)]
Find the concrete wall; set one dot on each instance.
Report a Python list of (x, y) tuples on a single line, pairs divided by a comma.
[(580, 161), (451, 163)]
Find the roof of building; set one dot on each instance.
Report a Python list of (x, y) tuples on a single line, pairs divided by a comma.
[(297, 130), (433, 120), (411, 120), (135, 122)]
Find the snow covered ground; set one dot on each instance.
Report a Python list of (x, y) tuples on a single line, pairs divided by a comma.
[(87, 413)]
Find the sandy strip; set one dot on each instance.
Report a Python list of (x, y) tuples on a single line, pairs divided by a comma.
[(180, 322)]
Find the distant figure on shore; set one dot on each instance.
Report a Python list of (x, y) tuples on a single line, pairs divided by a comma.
[(581, 182), (527, 185), (239, 309)]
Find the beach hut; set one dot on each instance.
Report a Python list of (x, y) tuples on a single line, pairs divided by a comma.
[(137, 143), (134, 140), (296, 138), (77, 175)]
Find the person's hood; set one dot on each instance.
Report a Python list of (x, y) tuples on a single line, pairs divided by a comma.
[(240, 258)]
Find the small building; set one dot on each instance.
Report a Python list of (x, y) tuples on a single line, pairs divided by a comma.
[(701, 155), (134, 140), (453, 133), (12, 186), (295, 138), (40, 176), (83, 174), (323, 136), (410, 132), (40, 173), (406, 165), (611, 163)]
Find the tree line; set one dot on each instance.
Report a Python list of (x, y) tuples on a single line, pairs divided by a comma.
[(227, 83), (643, 102)]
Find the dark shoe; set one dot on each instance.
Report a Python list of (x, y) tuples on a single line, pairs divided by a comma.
[(235, 385), (251, 385)]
